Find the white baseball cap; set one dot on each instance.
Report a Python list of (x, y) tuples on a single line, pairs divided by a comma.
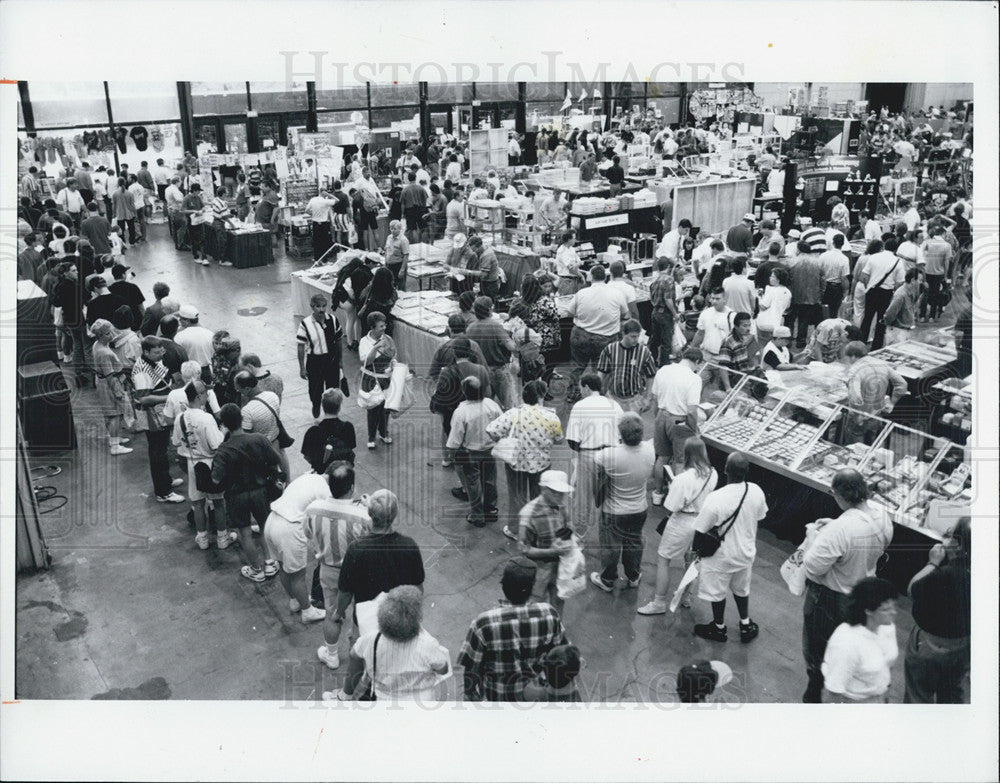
[(781, 331), (189, 312), (555, 480), (750, 217)]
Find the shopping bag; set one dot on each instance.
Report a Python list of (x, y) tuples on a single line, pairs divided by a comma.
[(571, 578), (792, 570), (505, 449), (399, 397), (367, 614), (689, 576), (371, 399), (679, 340)]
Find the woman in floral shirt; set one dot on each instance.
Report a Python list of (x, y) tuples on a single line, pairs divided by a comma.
[(542, 316), (536, 429)]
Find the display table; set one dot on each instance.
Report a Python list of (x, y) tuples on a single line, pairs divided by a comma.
[(243, 249), (917, 360), (600, 228)]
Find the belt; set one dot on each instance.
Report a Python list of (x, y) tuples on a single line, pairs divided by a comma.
[(593, 448)]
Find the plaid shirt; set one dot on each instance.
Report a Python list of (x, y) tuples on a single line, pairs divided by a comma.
[(630, 368), (661, 291), (503, 646), (735, 352)]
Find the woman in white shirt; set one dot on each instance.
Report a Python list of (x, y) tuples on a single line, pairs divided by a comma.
[(401, 661), (773, 305), (567, 266), (684, 501), (856, 666)]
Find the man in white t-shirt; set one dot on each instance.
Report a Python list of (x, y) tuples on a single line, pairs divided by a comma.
[(714, 325), (677, 390), (618, 282), (196, 340), (592, 426), (736, 508), (71, 201), (598, 313), (741, 294), (911, 217)]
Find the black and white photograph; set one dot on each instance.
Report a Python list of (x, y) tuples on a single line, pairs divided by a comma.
[(377, 375)]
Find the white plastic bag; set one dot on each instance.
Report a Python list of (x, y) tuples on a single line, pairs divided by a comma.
[(505, 449), (679, 341), (572, 577), (689, 576), (371, 399), (399, 397), (792, 570)]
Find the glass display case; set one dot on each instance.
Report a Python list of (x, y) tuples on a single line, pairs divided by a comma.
[(906, 470)]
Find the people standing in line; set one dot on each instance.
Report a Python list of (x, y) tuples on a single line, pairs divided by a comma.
[(331, 525), (225, 365), (320, 351), (845, 551), (196, 430), (736, 509), (196, 340), (858, 657), (138, 195), (938, 651), (469, 446), (592, 427), (151, 382), (243, 468), (536, 429), (261, 413), (192, 205), (287, 540), (598, 313), (505, 644), (68, 298), (622, 473), (173, 354), (626, 368), (377, 353), (110, 383), (684, 501), (96, 230), (331, 439)]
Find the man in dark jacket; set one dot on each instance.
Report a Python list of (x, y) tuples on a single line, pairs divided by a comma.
[(68, 295), (241, 469)]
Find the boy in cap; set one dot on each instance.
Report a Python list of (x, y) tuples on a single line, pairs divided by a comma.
[(130, 292), (697, 681)]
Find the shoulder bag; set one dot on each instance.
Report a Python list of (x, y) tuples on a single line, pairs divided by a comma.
[(369, 692), (284, 439), (708, 543), (687, 509)]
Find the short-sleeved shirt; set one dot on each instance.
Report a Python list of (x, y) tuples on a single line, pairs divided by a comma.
[(403, 670), (599, 309), (257, 418), (198, 433), (197, 343), (333, 524), (319, 338), (835, 266), (593, 422), (301, 493), (536, 429), (857, 661), (379, 562), (676, 388), (735, 352), (739, 547), (395, 249), (741, 295), (716, 326), (627, 468), (630, 368), (542, 521), (688, 492), (469, 423)]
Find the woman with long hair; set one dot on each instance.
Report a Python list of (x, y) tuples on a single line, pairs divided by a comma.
[(683, 502), (379, 297), (542, 315)]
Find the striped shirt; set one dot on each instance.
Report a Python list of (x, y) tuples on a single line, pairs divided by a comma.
[(332, 525), (319, 338), (504, 645), (257, 418), (630, 368), (816, 239), (151, 379)]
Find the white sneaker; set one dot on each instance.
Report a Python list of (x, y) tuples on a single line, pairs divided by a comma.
[(204, 262), (119, 449), (332, 660), (201, 539), (223, 540), (177, 482), (311, 614), (225, 263), (173, 497), (633, 583), (293, 605), (371, 444), (123, 441), (653, 607)]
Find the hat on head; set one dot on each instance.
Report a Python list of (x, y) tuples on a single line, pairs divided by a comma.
[(96, 281), (482, 306), (459, 240), (749, 217), (190, 312), (794, 233), (781, 331), (555, 480), (119, 270), (698, 680)]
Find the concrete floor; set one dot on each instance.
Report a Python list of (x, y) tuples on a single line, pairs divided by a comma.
[(131, 608)]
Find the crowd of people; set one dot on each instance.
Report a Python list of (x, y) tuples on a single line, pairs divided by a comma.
[(763, 301)]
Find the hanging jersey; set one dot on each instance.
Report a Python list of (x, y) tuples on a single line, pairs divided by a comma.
[(156, 139), (140, 136), (120, 138)]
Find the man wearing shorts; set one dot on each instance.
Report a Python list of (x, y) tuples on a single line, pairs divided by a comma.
[(288, 542), (240, 468), (677, 391), (331, 525), (736, 508), (197, 437)]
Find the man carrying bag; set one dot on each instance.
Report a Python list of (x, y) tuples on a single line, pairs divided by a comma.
[(725, 540)]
